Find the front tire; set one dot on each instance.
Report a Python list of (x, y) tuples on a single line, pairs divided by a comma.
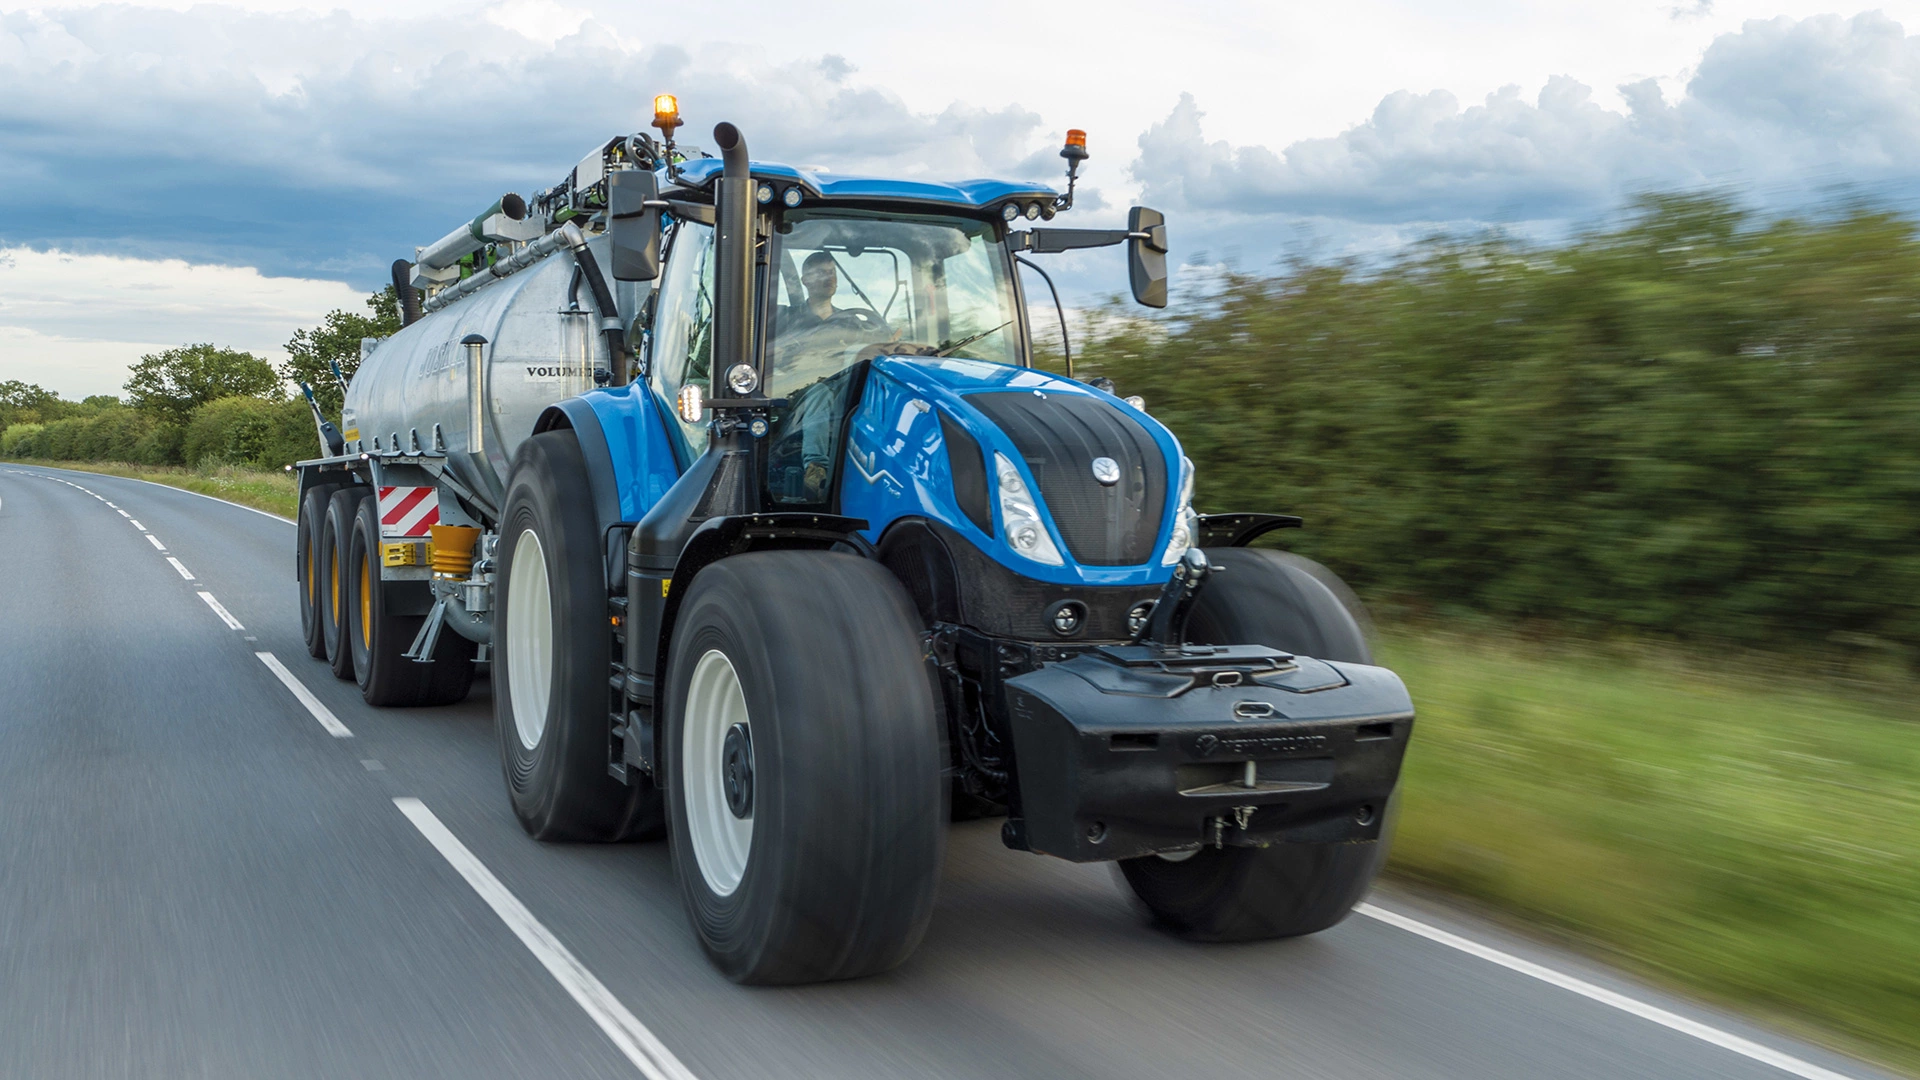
[(551, 699), (1287, 602), (803, 756)]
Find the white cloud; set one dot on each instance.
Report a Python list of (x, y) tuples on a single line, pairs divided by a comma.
[(75, 323), (1781, 106)]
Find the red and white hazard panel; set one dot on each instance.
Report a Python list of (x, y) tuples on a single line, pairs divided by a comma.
[(408, 511)]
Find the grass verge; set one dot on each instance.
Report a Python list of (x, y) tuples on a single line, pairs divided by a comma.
[(275, 492), (1754, 839)]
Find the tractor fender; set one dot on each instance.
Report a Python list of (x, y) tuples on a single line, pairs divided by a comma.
[(575, 415), (717, 538)]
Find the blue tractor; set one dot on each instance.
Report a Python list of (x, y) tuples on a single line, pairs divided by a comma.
[(776, 544)]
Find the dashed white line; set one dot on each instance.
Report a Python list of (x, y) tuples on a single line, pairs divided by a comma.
[(155, 541), (225, 615), (320, 712), (1725, 1040), (137, 525), (184, 572), (121, 512), (646, 1051)]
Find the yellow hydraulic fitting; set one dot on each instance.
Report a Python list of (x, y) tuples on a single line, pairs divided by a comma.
[(453, 549)]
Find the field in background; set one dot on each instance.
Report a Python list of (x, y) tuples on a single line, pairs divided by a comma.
[(1753, 835)]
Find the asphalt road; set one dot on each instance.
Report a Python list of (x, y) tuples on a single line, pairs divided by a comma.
[(198, 880)]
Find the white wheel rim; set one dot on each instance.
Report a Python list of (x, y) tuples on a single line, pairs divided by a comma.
[(529, 639), (721, 841)]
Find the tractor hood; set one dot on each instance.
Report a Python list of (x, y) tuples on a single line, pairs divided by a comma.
[(929, 433)]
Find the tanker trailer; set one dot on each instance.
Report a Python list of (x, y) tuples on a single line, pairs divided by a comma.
[(739, 481)]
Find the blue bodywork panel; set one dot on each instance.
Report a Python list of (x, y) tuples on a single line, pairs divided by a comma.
[(897, 462), (973, 194), (644, 466)]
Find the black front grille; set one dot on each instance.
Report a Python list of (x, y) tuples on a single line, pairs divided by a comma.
[(1059, 435)]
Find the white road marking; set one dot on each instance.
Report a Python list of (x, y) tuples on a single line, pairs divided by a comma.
[(320, 712), (137, 525), (225, 615), (1725, 1040), (646, 1051), (121, 512), (184, 572), (155, 541)]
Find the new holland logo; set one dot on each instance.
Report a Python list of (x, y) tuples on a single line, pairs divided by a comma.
[(1284, 745), (1106, 470)]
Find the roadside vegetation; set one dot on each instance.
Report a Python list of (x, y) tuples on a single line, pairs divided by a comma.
[(1638, 515), (1751, 832)]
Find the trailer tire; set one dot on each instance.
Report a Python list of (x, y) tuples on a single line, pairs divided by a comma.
[(309, 528), (379, 640), (1283, 601), (807, 666), (335, 540), (551, 699)]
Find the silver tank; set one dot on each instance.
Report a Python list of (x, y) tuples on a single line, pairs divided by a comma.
[(543, 345)]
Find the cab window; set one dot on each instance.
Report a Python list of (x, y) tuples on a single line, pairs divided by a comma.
[(682, 340)]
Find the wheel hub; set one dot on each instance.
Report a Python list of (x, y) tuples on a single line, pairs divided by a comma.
[(737, 770)]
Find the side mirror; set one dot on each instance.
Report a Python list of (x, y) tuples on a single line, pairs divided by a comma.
[(632, 225), (1147, 256)]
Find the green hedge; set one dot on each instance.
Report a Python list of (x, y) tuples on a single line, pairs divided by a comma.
[(249, 431), (1694, 424), (230, 431)]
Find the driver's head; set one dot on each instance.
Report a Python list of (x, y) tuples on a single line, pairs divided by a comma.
[(819, 276)]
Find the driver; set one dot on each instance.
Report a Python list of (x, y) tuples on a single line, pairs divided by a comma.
[(821, 279)]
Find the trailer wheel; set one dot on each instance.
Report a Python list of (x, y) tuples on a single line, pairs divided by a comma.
[(335, 539), (310, 527), (379, 640), (803, 765), (551, 700), (1286, 602)]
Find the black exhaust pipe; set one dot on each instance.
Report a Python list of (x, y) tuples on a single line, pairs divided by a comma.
[(733, 264), (405, 293)]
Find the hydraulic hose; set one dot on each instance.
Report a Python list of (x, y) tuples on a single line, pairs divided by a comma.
[(602, 302)]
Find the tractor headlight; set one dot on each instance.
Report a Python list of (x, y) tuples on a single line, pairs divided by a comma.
[(1020, 516), (1184, 521)]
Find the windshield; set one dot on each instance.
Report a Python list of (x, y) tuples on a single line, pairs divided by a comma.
[(853, 285)]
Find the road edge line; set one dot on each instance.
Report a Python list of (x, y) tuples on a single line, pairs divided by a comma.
[(632, 1037), (1705, 1033), (320, 712)]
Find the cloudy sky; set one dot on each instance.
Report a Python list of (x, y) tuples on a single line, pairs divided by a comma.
[(180, 172)]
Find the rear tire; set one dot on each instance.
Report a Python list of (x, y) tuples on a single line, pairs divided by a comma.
[(814, 659), (551, 699), (310, 527), (335, 539), (1282, 601), (379, 640)]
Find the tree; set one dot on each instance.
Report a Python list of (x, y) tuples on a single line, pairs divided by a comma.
[(173, 383), (25, 403), (337, 340)]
